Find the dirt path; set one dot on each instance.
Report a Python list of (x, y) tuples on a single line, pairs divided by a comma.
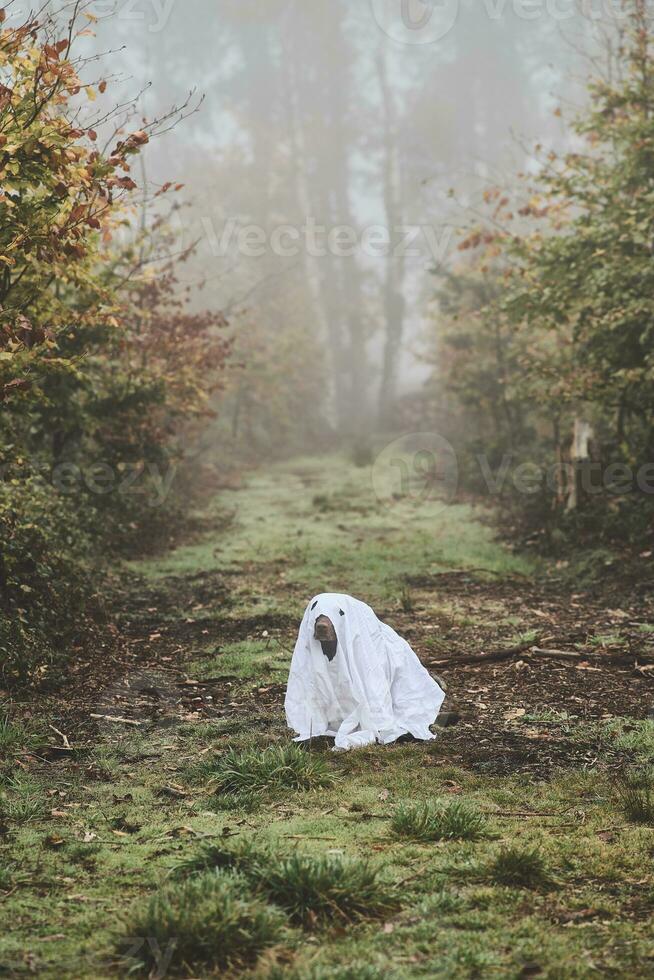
[(162, 627), (197, 664)]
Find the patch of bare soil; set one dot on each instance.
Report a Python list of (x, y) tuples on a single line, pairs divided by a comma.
[(610, 672), (140, 678)]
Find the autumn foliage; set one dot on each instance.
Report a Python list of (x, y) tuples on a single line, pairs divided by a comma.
[(103, 366)]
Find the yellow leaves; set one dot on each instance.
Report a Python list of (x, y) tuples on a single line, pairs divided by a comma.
[(91, 93)]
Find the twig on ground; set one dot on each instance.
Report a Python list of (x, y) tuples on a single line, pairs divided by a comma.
[(565, 654), (61, 735), (305, 837), (118, 721), (483, 658)]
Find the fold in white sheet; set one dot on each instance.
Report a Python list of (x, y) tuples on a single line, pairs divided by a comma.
[(374, 690)]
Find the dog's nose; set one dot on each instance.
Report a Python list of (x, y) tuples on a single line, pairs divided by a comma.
[(324, 630)]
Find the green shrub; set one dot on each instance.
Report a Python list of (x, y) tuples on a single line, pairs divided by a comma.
[(519, 868), (208, 922), (242, 856), (439, 821), (313, 891), (636, 796), (44, 579), (323, 891), (275, 768)]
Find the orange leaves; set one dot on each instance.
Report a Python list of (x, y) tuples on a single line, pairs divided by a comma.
[(531, 211), (47, 232), (476, 239), (167, 186), (125, 182), (132, 144), (52, 52), (77, 213)]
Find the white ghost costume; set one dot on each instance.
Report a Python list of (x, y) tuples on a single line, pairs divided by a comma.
[(374, 690)]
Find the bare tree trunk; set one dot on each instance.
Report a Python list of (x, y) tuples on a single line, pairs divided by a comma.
[(394, 301), (579, 457)]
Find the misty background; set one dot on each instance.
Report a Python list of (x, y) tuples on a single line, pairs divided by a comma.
[(333, 158)]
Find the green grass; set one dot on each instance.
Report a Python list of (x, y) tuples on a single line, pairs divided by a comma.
[(439, 821), (519, 868), (243, 856), (283, 767), (635, 793), (13, 736), (278, 521), (325, 891), (313, 891), (211, 921)]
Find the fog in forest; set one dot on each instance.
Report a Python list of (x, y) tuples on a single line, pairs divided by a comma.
[(336, 150)]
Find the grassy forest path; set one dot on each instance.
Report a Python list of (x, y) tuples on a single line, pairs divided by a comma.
[(98, 812)]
